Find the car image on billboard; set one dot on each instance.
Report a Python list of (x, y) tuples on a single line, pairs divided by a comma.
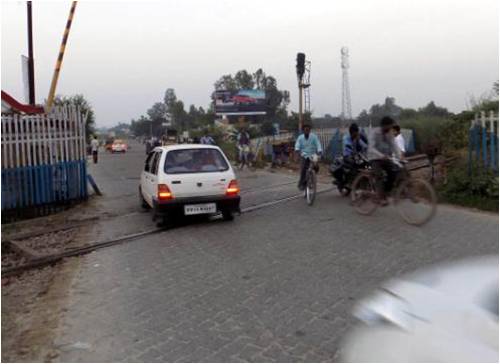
[(240, 102)]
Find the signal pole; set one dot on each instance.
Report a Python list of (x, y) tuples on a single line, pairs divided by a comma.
[(303, 69), (31, 63), (301, 111)]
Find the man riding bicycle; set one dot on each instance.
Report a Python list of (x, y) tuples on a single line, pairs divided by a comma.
[(306, 146), (381, 148)]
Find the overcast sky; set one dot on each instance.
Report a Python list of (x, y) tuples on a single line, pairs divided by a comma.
[(123, 55)]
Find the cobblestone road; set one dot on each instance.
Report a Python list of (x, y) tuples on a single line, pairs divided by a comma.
[(276, 284)]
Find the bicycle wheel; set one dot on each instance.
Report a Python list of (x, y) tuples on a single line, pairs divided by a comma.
[(311, 187), (416, 201), (363, 194)]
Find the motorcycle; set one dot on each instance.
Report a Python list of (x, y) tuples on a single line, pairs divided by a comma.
[(345, 170)]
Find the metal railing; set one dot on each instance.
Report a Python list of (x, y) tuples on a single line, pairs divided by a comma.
[(43, 160)]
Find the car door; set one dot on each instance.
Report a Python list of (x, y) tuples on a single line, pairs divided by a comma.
[(153, 175), (146, 188)]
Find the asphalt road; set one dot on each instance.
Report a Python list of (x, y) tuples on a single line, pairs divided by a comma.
[(276, 284)]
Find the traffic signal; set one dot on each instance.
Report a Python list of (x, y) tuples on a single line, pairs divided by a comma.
[(301, 65)]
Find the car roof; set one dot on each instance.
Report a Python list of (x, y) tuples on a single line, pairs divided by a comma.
[(187, 146)]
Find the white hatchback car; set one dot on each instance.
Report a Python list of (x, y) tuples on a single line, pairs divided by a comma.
[(189, 179)]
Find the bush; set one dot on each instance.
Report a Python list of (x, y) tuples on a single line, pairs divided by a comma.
[(449, 134), (478, 189), (428, 130)]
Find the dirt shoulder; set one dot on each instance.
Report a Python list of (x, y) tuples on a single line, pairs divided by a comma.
[(33, 301), (31, 306)]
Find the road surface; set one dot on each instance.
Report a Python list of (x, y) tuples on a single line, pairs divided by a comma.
[(276, 284)]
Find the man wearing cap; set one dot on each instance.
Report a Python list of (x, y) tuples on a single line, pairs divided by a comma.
[(306, 146)]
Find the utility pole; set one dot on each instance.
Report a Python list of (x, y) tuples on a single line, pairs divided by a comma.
[(31, 63)]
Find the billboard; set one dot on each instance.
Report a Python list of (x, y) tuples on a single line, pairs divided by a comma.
[(240, 102)]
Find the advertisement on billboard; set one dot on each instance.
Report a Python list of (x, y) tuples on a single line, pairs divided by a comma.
[(240, 102)]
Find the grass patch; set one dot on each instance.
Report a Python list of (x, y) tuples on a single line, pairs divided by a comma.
[(477, 189)]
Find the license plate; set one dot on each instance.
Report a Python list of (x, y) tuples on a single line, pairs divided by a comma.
[(205, 208)]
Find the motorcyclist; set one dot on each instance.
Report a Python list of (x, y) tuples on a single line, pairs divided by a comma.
[(306, 146), (353, 144)]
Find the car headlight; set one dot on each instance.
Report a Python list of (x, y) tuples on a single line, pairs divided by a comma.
[(384, 307)]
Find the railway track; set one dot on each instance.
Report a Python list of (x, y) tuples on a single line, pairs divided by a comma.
[(51, 259), (37, 261)]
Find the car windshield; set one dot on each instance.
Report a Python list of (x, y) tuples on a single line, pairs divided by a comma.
[(199, 160)]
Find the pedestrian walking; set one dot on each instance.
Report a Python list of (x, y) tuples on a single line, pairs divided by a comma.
[(243, 144), (94, 145)]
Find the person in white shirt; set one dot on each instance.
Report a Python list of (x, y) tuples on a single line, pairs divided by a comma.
[(94, 145), (399, 139)]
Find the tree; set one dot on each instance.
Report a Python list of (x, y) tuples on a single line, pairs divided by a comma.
[(258, 77), (244, 80), (141, 127), (170, 98), (157, 116), (432, 110), (408, 113), (85, 107), (363, 118), (226, 82)]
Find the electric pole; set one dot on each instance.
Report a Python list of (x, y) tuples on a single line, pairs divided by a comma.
[(31, 63)]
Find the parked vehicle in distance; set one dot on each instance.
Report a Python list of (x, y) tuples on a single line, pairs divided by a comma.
[(119, 146), (108, 144), (445, 313), (189, 179)]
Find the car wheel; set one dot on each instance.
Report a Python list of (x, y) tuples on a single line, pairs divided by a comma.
[(167, 222), (227, 215), (142, 201)]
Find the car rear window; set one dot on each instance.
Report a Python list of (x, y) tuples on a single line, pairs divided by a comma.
[(199, 160)]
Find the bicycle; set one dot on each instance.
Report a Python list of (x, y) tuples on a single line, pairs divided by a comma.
[(414, 198), (311, 180)]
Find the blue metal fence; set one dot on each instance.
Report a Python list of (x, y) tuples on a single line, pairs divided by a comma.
[(30, 186), (43, 162), (483, 141), (331, 140)]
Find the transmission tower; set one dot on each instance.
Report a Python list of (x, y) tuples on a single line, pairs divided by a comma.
[(346, 94)]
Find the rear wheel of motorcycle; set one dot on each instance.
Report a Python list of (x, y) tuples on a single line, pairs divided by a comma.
[(344, 191), (363, 196)]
